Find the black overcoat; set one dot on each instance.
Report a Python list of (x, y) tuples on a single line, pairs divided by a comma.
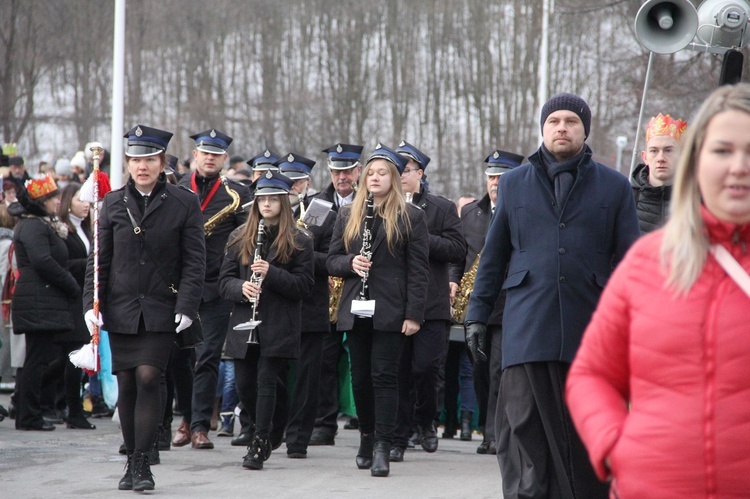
[(77, 258), (447, 246), (45, 289), (280, 306), (397, 282), (129, 283), (217, 241)]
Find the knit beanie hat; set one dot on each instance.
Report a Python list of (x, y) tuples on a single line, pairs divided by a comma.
[(568, 102)]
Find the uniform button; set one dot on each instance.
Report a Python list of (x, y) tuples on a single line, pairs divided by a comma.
[(562, 278), (561, 251), (141, 296), (143, 262), (562, 226)]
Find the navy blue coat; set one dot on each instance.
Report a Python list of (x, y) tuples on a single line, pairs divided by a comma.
[(558, 261)]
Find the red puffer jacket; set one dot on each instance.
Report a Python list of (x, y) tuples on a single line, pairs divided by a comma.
[(661, 384)]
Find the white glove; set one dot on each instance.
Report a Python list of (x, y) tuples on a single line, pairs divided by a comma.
[(183, 322), (91, 320)]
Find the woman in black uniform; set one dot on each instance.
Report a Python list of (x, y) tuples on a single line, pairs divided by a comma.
[(145, 295), (280, 275), (396, 269)]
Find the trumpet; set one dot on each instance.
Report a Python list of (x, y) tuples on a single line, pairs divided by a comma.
[(257, 279)]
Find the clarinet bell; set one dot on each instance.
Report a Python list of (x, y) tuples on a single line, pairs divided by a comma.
[(251, 326)]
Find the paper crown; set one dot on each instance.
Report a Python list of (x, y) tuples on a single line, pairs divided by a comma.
[(38, 187), (661, 125)]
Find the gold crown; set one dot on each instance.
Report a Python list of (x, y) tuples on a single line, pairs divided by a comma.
[(661, 125), (39, 187)]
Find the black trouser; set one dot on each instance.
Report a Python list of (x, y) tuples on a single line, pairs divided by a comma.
[(40, 352), (538, 449), (328, 395), (179, 376), (375, 361), (247, 378), (61, 368), (306, 388), (215, 321), (487, 382), (420, 364)]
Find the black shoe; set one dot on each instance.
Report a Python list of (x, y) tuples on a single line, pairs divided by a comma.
[(52, 419), (78, 422), (122, 450), (126, 482), (3, 412), (483, 448), (243, 439), (492, 449), (380, 460), (352, 424), (466, 417), (322, 437), (12, 411), (100, 409), (428, 437), (257, 452), (397, 454), (142, 477), (165, 438), (364, 454), (413, 441), (296, 454), (44, 426)]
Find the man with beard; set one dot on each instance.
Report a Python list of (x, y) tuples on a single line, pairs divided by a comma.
[(561, 224), (345, 167), (217, 194)]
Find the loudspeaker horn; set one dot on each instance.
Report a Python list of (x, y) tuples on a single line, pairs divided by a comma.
[(666, 26), (724, 23)]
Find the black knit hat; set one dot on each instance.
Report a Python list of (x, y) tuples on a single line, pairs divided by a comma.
[(568, 102)]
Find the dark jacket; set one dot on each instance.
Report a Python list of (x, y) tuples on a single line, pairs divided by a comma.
[(280, 306), (130, 285), (45, 289), (217, 241), (315, 306), (475, 221), (77, 258), (652, 203), (447, 245), (397, 282), (558, 261)]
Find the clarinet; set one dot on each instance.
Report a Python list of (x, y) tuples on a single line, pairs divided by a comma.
[(366, 251), (258, 280)]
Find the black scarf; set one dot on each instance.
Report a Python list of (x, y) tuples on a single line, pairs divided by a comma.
[(562, 174)]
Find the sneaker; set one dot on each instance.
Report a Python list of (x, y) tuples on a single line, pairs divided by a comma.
[(227, 425)]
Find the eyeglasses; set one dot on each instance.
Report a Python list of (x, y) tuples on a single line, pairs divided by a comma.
[(407, 171)]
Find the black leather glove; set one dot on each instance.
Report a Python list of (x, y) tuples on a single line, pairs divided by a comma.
[(476, 339)]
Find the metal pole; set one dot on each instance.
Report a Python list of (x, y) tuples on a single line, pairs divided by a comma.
[(118, 95), (543, 89), (640, 114)]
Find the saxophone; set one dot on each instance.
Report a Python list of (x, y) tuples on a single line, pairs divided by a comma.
[(465, 287), (215, 220), (334, 298), (301, 219)]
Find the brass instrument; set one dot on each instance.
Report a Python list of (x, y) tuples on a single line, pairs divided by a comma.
[(215, 220), (300, 220), (256, 279), (465, 287), (334, 298)]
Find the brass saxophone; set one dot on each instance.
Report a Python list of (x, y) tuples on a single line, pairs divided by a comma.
[(300, 220), (215, 220), (334, 298), (465, 287)]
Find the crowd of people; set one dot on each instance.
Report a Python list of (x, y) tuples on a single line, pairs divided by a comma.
[(601, 347)]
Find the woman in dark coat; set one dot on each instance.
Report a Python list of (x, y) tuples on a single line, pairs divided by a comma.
[(45, 290), (397, 270), (150, 285), (286, 267), (74, 213)]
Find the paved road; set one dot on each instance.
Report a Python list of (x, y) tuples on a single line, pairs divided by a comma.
[(78, 463)]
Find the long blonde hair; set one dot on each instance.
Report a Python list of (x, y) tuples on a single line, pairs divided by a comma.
[(284, 242), (392, 210), (685, 245)]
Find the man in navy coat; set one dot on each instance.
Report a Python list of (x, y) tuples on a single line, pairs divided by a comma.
[(562, 223)]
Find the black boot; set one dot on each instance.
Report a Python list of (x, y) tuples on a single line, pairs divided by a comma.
[(428, 437), (466, 417), (364, 455), (381, 465), (142, 477), (153, 452), (126, 482), (78, 422), (257, 452), (165, 439)]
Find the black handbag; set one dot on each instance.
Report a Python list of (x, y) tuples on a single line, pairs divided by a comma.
[(187, 338)]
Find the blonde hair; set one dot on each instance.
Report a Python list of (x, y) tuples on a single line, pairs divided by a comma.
[(392, 210), (685, 245)]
